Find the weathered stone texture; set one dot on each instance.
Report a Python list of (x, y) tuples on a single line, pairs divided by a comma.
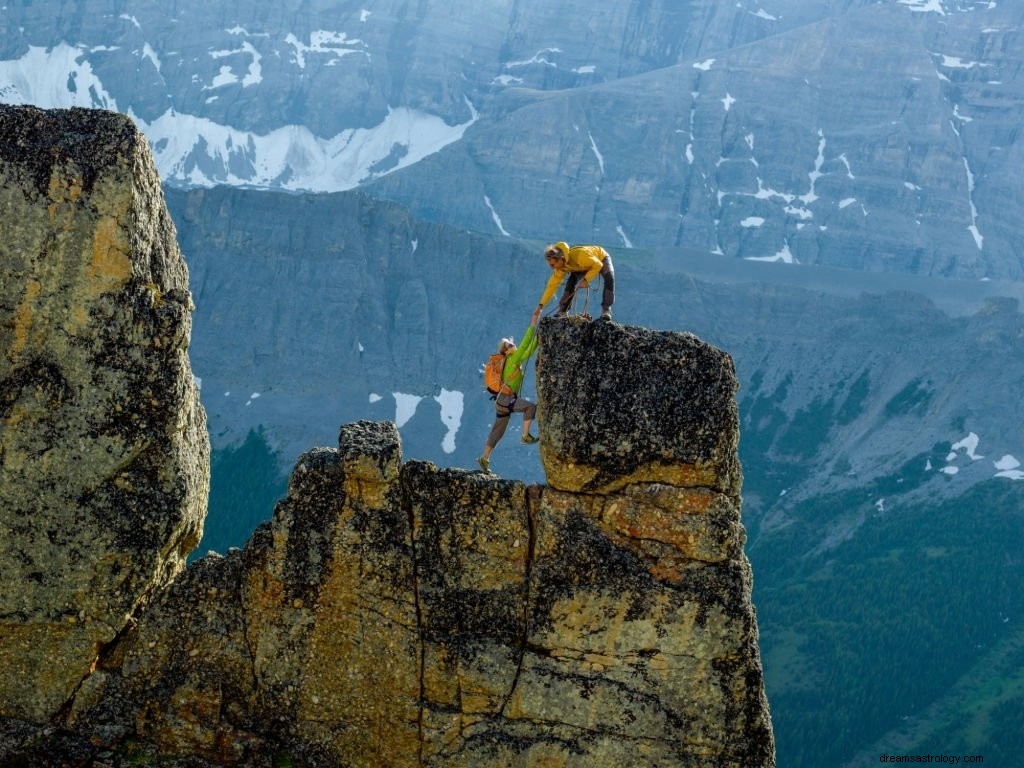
[(623, 405), (104, 458), (405, 615)]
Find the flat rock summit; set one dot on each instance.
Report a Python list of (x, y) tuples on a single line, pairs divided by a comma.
[(390, 612)]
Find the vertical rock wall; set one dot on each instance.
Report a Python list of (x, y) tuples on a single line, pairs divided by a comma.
[(405, 615), (104, 457)]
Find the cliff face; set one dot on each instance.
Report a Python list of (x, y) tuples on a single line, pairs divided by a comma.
[(400, 614), (391, 613), (104, 458)]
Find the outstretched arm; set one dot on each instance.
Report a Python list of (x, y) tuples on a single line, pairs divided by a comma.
[(527, 344), (556, 277)]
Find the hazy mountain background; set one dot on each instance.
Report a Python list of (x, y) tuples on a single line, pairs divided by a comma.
[(830, 191)]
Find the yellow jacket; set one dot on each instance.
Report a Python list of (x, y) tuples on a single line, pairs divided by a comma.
[(579, 258)]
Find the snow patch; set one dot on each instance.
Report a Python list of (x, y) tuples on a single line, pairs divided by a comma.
[(53, 79), (227, 76), (955, 62), (924, 6), (195, 151), (405, 407), (325, 42), (845, 161), (784, 255), (958, 116), (205, 154), (1007, 462), (494, 216), (451, 403), (597, 153), (973, 228), (1009, 468), (149, 53), (507, 80), (968, 446), (537, 58)]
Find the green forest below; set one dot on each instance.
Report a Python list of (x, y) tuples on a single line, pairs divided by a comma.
[(245, 483), (906, 638)]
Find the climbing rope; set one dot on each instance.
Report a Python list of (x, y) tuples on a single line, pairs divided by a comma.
[(583, 313)]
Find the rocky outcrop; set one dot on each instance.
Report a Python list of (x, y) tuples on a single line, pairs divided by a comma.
[(391, 613), (624, 405), (400, 614), (104, 458)]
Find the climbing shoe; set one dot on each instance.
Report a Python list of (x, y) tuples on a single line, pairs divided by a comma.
[(606, 314), (485, 464), (529, 439)]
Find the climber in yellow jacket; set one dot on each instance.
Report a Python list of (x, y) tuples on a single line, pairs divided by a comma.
[(582, 263)]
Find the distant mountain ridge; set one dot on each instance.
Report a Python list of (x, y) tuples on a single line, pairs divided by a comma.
[(870, 135)]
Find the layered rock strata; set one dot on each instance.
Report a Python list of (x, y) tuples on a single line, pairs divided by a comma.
[(104, 456)]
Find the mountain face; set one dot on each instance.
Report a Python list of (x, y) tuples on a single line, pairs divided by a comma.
[(877, 136)]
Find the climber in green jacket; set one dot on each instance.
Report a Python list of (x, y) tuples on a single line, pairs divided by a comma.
[(582, 263), (506, 399)]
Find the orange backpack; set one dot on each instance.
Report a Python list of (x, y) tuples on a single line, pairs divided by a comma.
[(494, 370)]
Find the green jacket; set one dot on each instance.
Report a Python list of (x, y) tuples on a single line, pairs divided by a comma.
[(516, 362)]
